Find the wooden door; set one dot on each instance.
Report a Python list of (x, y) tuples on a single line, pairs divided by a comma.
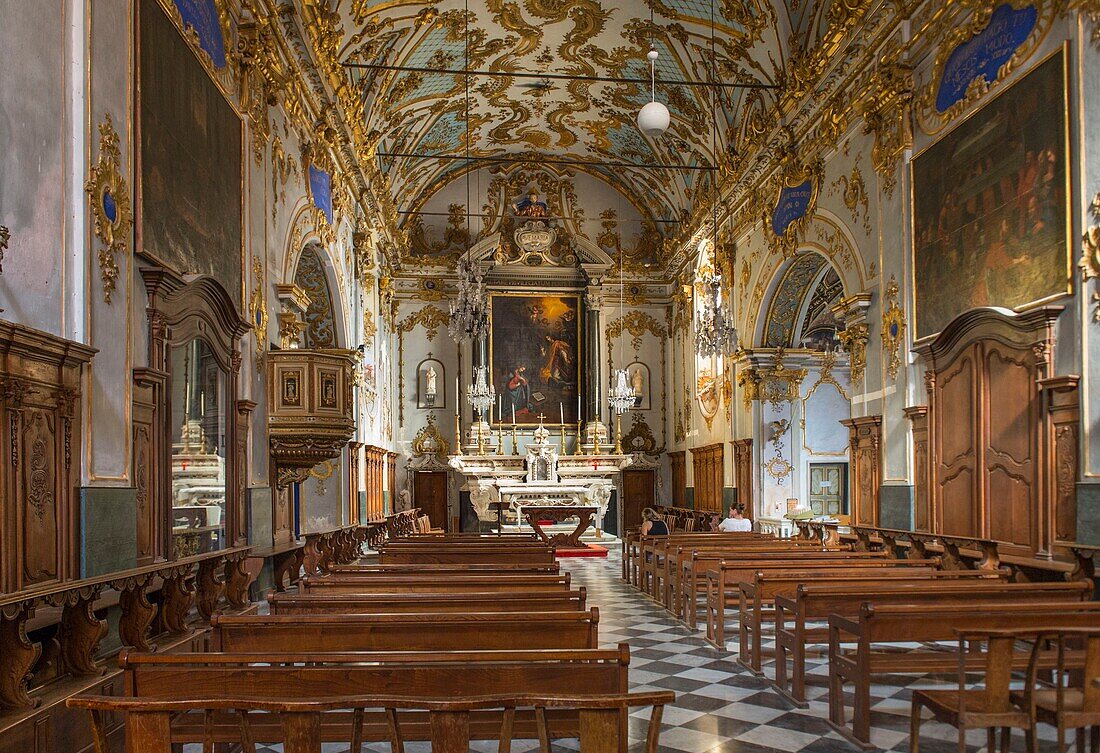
[(430, 495), (829, 488), (638, 494)]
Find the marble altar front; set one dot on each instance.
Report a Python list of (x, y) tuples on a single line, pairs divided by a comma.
[(501, 485)]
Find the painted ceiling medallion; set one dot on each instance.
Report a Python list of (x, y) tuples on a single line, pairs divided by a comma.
[(110, 203)]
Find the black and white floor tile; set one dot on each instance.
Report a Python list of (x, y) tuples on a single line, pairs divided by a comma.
[(720, 706)]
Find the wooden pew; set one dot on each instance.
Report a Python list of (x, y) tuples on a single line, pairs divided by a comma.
[(651, 551), (407, 674), (450, 568), (757, 597), (722, 582), (906, 623), (549, 601), (299, 725), (685, 568), (632, 543), (431, 555), (379, 583), (815, 601), (405, 632)]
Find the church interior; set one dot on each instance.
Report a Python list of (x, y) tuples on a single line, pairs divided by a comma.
[(663, 376)]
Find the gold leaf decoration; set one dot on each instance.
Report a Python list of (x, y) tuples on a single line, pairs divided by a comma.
[(110, 200)]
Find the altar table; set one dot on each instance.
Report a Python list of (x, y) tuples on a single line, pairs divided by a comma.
[(535, 514)]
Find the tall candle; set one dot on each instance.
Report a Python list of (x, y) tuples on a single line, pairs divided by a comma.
[(458, 395), (513, 414), (578, 406), (500, 407), (561, 409)]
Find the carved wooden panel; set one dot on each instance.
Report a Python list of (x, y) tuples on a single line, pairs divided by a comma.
[(1010, 446), (922, 504), (148, 462), (239, 529), (743, 474), (355, 455), (40, 381), (707, 467), (993, 451), (391, 480), (955, 450), (865, 444), (679, 477), (282, 517), (1061, 440)]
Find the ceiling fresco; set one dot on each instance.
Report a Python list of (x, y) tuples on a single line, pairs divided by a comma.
[(540, 120)]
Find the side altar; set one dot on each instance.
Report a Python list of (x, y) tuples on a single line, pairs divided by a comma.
[(502, 486)]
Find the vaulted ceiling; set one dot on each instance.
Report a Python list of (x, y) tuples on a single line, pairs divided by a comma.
[(425, 130)]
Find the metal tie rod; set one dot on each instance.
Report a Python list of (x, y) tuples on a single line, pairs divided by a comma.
[(545, 160)]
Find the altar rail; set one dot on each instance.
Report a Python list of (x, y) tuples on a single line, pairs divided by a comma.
[(51, 637), (958, 552)]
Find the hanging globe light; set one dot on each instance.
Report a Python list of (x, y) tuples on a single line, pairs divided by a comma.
[(653, 118)]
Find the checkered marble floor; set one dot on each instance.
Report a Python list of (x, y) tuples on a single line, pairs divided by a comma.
[(720, 706)]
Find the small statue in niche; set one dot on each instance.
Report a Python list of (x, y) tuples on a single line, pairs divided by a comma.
[(531, 206), (637, 382), (429, 384)]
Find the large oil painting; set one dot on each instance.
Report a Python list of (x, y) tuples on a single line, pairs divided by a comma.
[(535, 356), (191, 162), (990, 204)]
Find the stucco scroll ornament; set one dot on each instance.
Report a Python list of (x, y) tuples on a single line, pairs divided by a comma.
[(110, 199), (1090, 252), (257, 309), (893, 329)]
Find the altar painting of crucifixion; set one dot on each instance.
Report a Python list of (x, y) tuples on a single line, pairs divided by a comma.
[(535, 356)]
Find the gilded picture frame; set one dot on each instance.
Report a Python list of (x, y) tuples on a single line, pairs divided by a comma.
[(990, 204)]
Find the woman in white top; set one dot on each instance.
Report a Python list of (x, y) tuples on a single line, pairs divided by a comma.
[(736, 522)]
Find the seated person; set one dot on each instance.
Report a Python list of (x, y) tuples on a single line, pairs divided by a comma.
[(736, 522), (652, 525)]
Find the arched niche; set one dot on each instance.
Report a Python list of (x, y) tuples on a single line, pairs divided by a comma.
[(311, 274), (194, 348), (798, 312)]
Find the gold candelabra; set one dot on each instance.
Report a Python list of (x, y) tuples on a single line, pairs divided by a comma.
[(458, 434), (480, 437), (618, 433), (578, 450), (500, 438), (515, 442), (563, 452)]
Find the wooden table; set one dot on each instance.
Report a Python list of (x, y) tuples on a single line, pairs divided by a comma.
[(535, 514)]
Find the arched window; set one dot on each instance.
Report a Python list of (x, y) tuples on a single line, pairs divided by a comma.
[(311, 276)]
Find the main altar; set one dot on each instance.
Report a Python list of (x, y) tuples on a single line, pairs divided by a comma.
[(542, 484)]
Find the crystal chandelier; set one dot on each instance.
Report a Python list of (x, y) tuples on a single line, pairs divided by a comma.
[(621, 395), (470, 310), (481, 393), (714, 334)]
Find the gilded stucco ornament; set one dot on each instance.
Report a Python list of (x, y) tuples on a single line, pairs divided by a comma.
[(1090, 252), (110, 200), (930, 117), (430, 440), (257, 309), (854, 192), (853, 339), (887, 114), (793, 202), (893, 328), (1090, 10)]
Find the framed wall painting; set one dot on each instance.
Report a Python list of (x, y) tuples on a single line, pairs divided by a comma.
[(990, 205), (191, 187), (535, 355)]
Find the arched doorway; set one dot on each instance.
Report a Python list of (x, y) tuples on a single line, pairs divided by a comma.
[(803, 446)]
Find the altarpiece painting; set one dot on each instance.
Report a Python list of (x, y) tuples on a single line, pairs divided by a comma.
[(990, 205), (534, 356)]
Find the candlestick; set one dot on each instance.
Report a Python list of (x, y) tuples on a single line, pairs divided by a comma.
[(500, 436), (577, 449), (480, 436), (458, 433), (515, 444), (563, 452), (618, 433)]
